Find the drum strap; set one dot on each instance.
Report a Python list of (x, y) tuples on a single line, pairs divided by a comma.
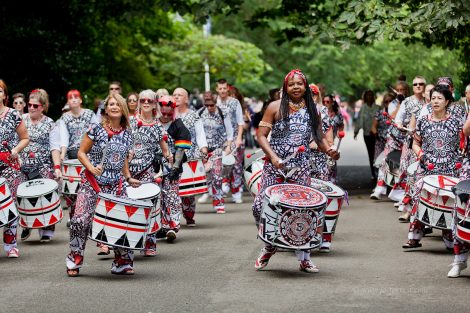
[(91, 178)]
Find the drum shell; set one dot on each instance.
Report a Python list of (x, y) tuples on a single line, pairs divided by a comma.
[(252, 176), (70, 185), (193, 179), (155, 223), (39, 203), (462, 227), (121, 222), (72, 168), (293, 227), (228, 161), (8, 210)]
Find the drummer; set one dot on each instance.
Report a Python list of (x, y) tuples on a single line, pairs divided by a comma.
[(39, 160), (14, 138), (436, 144), (179, 141), (337, 125), (292, 121), (147, 134), (198, 150), (72, 126), (104, 152), (219, 134)]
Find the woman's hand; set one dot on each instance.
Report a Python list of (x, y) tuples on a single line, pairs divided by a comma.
[(332, 153), (58, 173), (13, 155), (134, 182), (96, 170), (277, 162)]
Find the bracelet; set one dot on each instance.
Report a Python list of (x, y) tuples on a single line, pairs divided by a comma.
[(57, 167)]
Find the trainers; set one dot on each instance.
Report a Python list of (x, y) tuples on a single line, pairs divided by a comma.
[(457, 267), (191, 223), (150, 252), (263, 258), (237, 198), (225, 187), (220, 210), (170, 236), (396, 204), (103, 250), (45, 238), (204, 198), (25, 233), (307, 266), (324, 249), (376, 196), (13, 253)]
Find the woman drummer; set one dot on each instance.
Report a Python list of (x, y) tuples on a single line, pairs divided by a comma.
[(292, 121), (148, 141), (39, 159), (104, 152), (179, 140), (14, 138), (436, 143), (337, 124)]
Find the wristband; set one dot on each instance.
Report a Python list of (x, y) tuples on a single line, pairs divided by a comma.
[(57, 167)]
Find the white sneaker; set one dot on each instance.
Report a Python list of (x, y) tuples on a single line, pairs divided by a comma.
[(376, 195), (396, 204), (204, 198), (237, 198), (225, 187), (457, 267)]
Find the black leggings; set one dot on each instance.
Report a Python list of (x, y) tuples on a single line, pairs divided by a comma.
[(370, 144)]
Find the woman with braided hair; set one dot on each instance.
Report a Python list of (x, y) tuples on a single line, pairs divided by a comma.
[(293, 121)]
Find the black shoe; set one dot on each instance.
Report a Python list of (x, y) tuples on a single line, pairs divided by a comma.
[(25, 234), (45, 239)]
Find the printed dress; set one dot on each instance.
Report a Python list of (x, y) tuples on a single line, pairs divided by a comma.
[(318, 159), (336, 123)]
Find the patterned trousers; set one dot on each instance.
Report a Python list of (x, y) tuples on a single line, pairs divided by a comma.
[(171, 204), (80, 226), (14, 178), (214, 182), (189, 207), (237, 170)]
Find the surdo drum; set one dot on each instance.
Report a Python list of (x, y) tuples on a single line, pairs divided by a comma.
[(292, 217), (193, 180), (252, 176), (38, 203), (462, 210), (392, 171), (121, 222), (71, 178), (8, 211), (228, 161), (436, 201), (411, 173), (335, 197), (149, 192)]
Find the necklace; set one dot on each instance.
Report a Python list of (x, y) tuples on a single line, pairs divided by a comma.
[(150, 121), (114, 130), (296, 106)]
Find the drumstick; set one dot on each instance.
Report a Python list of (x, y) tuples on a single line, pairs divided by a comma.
[(293, 155), (340, 136), (391, 121)]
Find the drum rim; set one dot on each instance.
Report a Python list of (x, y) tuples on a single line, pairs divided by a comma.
[(56, 188), (325, 198), (146, 198), (140, 203), (436, 175), (332, 196), (72, 162)]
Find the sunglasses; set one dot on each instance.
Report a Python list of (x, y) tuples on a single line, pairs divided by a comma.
[(34, 105), (18, 102), (327, 101), (418, 84), (132, 100), (167, 114), (209, 105), (144, 100), (115, 88)]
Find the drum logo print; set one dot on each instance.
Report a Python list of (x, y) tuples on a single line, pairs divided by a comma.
[(298, 226)]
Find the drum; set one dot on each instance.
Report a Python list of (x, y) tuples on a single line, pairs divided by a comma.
[(149, 192), (258, 154), (411, 172), (335, 197), (228, 161), (379, 160), (121, 222), (292, 216), (8, 211), (39, 203), (436, 201), (392, 170), (71, 178), (462, 210), (193, 180), (252, 176)]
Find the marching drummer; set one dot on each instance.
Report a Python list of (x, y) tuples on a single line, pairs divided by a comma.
[(104, 152), (38, 157), (198, 150), (436, 144), (292, 121), (14, 138), (147, 134), (179, 141), (219, 134)]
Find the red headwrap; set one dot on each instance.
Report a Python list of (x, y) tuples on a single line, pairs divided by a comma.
[(292, 74), (314, 88)]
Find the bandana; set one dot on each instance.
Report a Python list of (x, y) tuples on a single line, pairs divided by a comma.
[(314, 89), (292, 74), (445, 81)]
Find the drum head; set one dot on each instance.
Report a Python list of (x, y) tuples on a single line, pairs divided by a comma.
[(440, 183), (124, 201), (36, 187), (72, 162), (379, 160), (228, 159), (394, 158), (462, 190), (329, 189), (144, 191), (297, 195)]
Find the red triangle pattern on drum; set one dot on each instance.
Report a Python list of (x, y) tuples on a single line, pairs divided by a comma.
[(53, 220), (147, 213), (22, 222), (193, 166), (3, 189), (445, 199), (78, 169), (109, 205), (130, 210), (37, 223), (155, 228), (66, 167), (61, 215)]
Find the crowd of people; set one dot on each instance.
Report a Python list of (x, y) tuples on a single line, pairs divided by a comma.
[(148, 136)]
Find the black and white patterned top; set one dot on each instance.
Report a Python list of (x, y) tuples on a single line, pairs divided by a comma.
[(9, 122), (37, 153), (382, 126), (409, 107), (233, 109), (336, 122), (146, 140), (118, 150), (217, 128), (440, 143), (72, 128), (191, 120)]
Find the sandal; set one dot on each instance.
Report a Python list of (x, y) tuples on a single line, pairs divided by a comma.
[(73, 272), (412, 243)]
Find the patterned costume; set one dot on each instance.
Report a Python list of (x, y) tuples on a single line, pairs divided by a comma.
[(218, 130), (111, 182), (318, 159), (440, 146), (382, 132), (9, 122), (337, 123)]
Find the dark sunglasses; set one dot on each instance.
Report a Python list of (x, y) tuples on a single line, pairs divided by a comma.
[(34, 105), (209, 105), (418, 84), (115, 88), (327, 101), (132, 100), (18, 102), (144, 100), (167, 114)]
